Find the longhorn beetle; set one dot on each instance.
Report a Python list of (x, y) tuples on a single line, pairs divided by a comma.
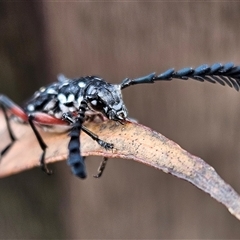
[(67, 103)]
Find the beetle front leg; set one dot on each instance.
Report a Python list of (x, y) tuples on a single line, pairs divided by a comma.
[(102, 143), (76, 161), (68, 117)]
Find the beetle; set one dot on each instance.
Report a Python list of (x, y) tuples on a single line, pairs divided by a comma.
[(66, 104)]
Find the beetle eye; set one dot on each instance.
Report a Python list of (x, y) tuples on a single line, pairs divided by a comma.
[(97, 105)]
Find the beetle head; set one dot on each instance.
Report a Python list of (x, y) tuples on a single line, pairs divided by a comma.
[(107, 99)]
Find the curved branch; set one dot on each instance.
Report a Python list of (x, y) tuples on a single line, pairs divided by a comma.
[(131, 141)]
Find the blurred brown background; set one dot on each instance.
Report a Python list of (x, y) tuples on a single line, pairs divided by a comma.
[(116, 40)]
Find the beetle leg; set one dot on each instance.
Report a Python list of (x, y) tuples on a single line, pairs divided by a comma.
[(43, 119), (8, 105), (102, 143)]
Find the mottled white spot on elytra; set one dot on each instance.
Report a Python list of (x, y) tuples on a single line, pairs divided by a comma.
[(51, 91), (36, 94), (81, 84), (94, 91), (42, 89), (62, 98), (30, 107), (50, 105), (71, 98)]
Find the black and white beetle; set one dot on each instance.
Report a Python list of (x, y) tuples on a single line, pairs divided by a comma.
[(66, 104)]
